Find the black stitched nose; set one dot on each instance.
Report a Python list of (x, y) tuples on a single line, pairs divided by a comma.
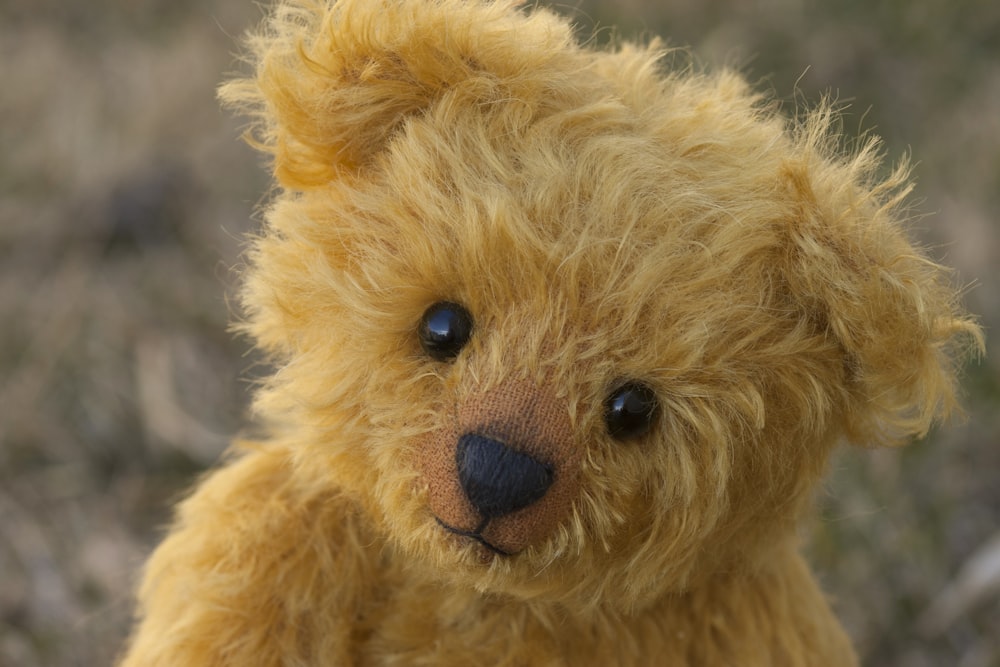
[(498, 480)]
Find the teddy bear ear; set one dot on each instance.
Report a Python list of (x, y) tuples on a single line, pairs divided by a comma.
[(334, 80), (892, 311)]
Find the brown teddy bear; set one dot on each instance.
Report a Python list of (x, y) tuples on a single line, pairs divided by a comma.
[(563, 342)]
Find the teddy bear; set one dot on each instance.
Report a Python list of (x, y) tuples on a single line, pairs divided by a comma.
[(562, 336)]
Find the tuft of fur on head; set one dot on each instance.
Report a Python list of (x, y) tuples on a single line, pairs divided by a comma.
[(603, 219)]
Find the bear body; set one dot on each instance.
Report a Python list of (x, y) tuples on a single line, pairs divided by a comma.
[(563, 342)]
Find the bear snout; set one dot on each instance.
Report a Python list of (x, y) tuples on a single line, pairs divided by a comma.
[(504, 470)]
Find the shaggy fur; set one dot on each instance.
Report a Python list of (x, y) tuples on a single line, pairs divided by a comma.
[(602, 219)]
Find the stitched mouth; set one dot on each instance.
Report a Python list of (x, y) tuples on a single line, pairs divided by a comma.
[(474, 534)]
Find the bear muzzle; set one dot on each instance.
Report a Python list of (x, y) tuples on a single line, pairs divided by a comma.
[(505, 471)]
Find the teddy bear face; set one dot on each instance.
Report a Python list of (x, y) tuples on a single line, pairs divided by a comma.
[(562, 324), (570, 269)]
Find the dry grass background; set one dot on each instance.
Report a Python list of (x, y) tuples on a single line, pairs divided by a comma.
[(123, 195)]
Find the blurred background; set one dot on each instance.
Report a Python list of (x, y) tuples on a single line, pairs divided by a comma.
[(124, 195)]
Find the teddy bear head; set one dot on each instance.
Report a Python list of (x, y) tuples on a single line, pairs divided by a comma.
[(567, 324)]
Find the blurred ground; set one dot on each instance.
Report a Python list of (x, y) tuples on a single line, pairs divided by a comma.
[(123, 196)]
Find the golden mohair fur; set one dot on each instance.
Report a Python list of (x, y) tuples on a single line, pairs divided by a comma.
[(603, 219)]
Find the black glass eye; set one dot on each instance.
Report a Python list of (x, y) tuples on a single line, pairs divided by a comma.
[(630, 410), (445, 328)]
